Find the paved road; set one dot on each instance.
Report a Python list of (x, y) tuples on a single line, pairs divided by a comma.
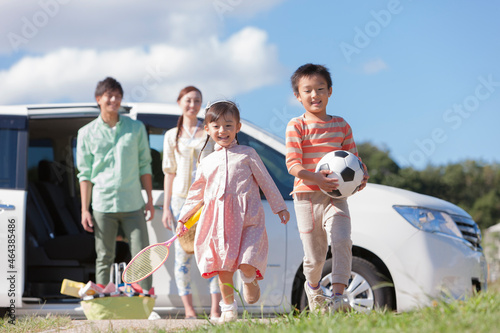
[(84, 326)]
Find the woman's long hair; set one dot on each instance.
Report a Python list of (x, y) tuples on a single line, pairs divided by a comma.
[(183, 92)]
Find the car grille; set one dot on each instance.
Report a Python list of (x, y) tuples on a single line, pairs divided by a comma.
[(469, 230)]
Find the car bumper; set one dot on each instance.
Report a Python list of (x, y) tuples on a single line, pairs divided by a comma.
[(444, 268)]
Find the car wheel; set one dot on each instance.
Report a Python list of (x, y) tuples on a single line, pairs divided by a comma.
[(4, 312), (368, 288)]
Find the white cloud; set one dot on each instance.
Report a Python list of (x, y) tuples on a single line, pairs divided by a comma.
[(153, 48), (243, 62), (374, 66), (43, 25), (242, 8)]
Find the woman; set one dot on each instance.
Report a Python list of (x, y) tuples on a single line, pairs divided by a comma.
[(181, 148)]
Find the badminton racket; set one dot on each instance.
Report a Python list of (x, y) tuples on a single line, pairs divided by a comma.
[(152, 257)]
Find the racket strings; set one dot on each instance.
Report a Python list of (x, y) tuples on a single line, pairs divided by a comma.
[(146, 263)]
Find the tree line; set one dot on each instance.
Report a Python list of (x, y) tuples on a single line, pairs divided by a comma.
[(474, 186)]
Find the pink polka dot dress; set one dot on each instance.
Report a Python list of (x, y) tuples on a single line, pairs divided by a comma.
[(231, 230)]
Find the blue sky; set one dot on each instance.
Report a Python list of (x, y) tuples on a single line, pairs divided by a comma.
[(420, 79)]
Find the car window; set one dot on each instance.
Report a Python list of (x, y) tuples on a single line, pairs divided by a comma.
[(8, 150), (156, 126), (13, 152), (274, 162), (156, 146), (39, 149)]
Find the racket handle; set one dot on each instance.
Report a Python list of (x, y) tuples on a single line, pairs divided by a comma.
[(193, 219)]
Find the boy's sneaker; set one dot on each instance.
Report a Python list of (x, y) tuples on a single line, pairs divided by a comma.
[(316, 299), (339, 303), (251, 292)]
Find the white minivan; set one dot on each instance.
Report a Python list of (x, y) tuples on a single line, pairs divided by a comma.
[(408, 248)]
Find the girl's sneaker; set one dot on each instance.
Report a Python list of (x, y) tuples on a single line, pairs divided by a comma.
[(228, 316), (251, 292), (229, 312)]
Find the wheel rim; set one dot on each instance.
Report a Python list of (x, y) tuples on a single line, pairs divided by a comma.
[(359, 292)]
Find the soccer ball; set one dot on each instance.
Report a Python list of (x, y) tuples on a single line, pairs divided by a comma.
[(347, 168)]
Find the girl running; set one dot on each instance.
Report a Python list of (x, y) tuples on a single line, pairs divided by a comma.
[(181, 148), (231, 233)]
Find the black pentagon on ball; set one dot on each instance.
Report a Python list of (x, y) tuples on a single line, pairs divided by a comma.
[(324, 167), (335, 193), (348, 174), (341, 153)]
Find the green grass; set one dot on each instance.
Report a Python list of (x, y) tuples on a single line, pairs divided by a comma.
[(476, 314), (34, 324)]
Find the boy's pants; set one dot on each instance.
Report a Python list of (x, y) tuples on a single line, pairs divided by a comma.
[(320, 217), (106, 227)]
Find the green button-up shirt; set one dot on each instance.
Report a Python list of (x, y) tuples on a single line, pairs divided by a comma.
[(113, 160)]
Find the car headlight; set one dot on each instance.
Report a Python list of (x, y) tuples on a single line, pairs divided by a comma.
[(429, 220)]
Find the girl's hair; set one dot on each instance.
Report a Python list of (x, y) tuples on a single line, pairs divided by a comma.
[(183, 92), (218, 109)]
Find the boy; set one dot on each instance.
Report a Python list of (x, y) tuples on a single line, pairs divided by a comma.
[(114, 162), (308, 138)]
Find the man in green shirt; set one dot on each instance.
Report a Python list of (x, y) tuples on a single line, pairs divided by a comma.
[(114, 163)]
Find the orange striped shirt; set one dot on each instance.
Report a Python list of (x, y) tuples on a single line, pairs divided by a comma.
[(307, 141)]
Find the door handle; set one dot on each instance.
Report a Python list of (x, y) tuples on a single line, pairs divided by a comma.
[(7, 207)]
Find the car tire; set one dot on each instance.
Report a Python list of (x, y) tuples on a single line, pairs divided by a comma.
[(4, 312), (368, 289)]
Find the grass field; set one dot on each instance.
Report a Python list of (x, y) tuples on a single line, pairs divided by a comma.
[(477, 314)]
